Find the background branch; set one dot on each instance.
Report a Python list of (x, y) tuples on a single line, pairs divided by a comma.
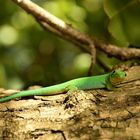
[(66, 31)]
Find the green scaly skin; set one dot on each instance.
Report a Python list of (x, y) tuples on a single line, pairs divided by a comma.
[(108, 81)]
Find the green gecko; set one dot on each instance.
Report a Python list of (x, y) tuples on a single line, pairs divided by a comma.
[(108, 81)]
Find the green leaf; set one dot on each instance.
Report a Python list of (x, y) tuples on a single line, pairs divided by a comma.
[(112, 7), (124, 24)]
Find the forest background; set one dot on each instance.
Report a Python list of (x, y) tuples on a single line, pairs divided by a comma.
[(29, 55)]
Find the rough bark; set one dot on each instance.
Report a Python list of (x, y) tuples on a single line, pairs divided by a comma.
[(84, 115)]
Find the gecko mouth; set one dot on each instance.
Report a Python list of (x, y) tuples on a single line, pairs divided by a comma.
[(115, 81)]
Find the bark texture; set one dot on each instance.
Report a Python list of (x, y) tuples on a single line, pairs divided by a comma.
[(84, 115)]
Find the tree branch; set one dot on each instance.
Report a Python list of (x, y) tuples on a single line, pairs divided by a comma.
[(57, 26), (84, 115)]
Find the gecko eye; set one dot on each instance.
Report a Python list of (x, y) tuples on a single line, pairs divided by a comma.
[(125, 74), (113, 71)]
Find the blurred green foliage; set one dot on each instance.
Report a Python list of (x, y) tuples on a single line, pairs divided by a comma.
[(29, 55), (124, 20)]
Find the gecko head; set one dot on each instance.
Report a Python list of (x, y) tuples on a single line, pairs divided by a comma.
[(117, 76)]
